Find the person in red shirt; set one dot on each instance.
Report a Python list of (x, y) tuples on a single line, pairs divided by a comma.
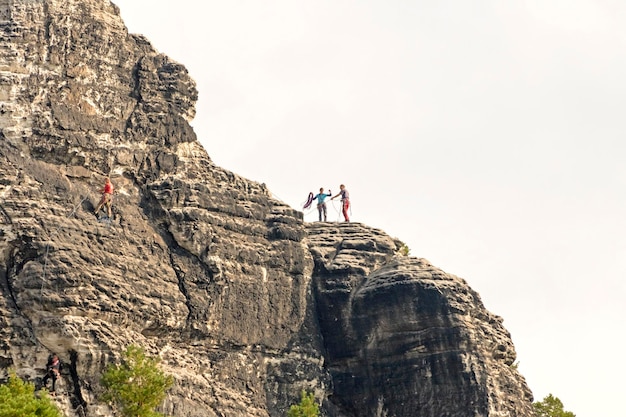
[(107, 197), (345, 201)]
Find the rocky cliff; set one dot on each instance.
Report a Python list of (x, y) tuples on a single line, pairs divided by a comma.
[(244, 302)]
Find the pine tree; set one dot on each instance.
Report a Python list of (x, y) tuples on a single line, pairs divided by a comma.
[(551, 407), (17, 399), (137, 385), (307, 407)]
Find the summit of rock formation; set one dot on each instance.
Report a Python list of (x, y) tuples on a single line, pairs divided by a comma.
[(244, 302)]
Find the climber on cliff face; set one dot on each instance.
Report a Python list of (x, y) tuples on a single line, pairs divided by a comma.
[(345, 201), (321, 205), (107, 197), (53, 371)]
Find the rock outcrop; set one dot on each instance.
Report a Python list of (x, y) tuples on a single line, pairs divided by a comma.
[(403, 338), (245, 304)]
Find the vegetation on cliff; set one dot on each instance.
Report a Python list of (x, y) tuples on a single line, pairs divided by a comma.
[(137, 385), (17, 398), (551, 406), (307, 407)]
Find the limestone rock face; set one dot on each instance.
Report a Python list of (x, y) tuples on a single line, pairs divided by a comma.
[(245, 304)]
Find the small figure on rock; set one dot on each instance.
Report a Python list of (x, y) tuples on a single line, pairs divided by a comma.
[(53, 371), (321, 205), (345, 201), (107, 197)]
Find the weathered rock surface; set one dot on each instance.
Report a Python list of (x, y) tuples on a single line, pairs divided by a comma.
[(245, 304), (403, 337)]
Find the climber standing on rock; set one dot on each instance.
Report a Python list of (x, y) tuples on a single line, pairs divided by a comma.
[(321, 205), (107, 197), (345, 201), (53, 371)]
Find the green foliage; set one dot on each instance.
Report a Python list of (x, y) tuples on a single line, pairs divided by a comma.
[(17, 399), (404, 250), (136, 386), (551, 407), (307, 407)]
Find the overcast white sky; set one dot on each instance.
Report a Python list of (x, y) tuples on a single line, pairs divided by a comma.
[(487, 135)]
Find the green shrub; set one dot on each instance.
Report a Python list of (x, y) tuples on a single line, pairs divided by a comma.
[(307, 407), (17, 399), (137, 385)]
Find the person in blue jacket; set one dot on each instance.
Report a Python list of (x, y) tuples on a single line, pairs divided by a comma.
[(321, 205)]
